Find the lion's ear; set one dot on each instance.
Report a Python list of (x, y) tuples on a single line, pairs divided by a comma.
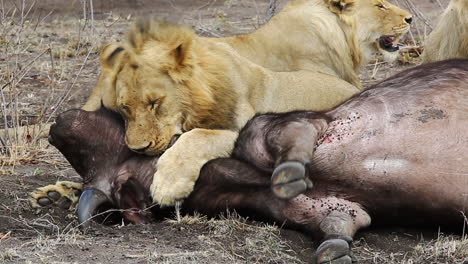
[(183, 57), (109, 54), (340, 7), (181, 53)]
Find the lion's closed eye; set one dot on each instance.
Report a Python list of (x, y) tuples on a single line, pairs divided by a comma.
[(153, 104)]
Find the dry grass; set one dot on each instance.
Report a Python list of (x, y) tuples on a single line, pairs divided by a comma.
[(47, 235), (19, 41), (8, 255), (239, 240), (41, 62), (443, 250), (229, 239)]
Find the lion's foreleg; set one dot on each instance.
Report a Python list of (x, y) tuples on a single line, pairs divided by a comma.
[(179, 167)]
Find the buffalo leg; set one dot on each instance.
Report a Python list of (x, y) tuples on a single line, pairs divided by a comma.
[(283, 145), (232, 184), (334, 220), (227, 183)]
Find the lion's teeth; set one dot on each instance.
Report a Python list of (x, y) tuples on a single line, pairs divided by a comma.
[(395, 41)]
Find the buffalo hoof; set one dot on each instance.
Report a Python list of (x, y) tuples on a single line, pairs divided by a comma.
[(64, 194), (335, 251), (289, 180)]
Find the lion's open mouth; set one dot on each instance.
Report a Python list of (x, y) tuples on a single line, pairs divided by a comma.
[(389, 43)]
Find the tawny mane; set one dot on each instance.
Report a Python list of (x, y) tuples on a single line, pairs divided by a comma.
[(206, 95)]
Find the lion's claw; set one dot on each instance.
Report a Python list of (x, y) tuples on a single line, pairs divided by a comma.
[(289, 180), (63, 194)]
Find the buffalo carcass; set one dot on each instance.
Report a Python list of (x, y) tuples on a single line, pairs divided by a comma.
[(396, 153)]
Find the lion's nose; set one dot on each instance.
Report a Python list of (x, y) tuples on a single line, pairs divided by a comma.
[(143, 149), (409, 20)]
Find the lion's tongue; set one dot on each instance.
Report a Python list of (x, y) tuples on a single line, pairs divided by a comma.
[(396, 42)]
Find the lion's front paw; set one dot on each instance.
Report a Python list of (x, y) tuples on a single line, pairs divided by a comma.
[(64, 194), (178, 168), (175, 178)]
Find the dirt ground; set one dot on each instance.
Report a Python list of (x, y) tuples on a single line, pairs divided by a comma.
[(49, 63)]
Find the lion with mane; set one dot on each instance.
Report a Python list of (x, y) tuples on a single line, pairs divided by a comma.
[(165, 80), (449, 39)]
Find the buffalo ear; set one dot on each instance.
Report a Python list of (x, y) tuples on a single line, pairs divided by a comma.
[(133, 195), (110, 54)]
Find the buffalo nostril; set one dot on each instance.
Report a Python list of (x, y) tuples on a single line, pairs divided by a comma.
[(144, 148), (409, 20)]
